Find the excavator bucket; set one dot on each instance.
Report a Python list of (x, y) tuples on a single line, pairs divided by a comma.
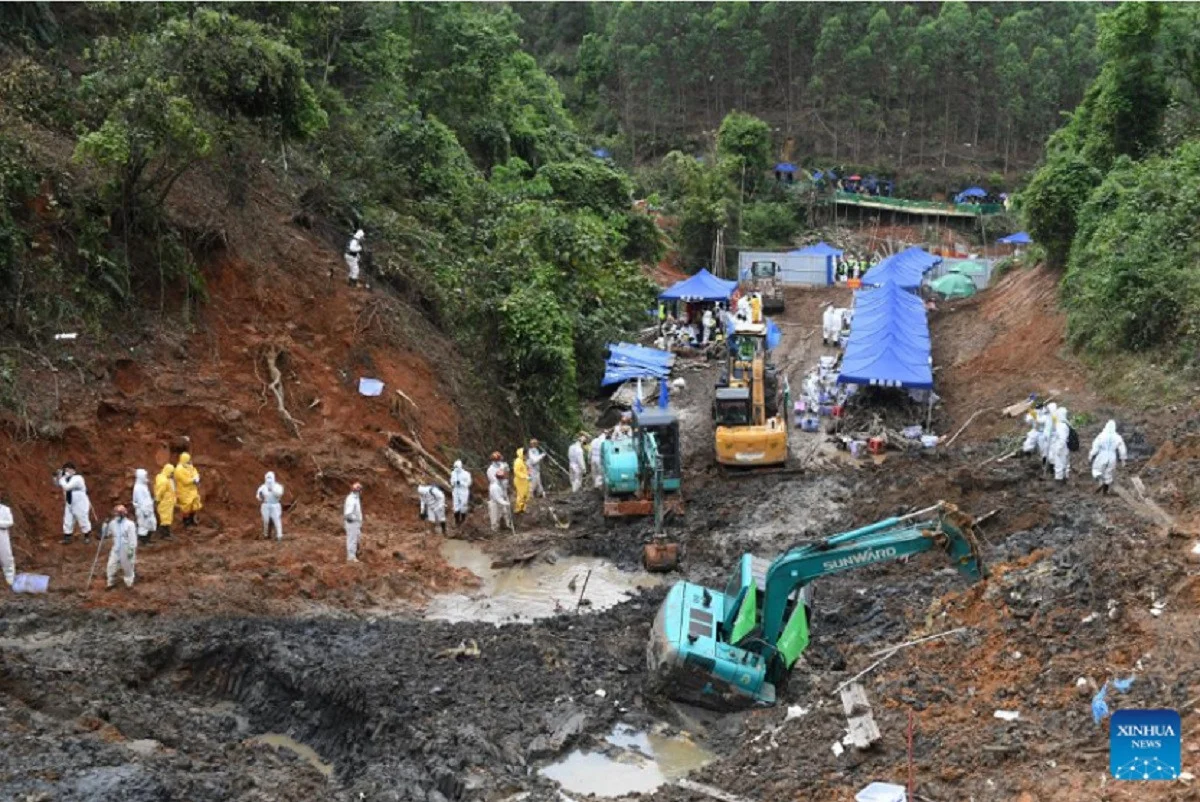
[(660, 556)]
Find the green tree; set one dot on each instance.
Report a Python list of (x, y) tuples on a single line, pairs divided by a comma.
[(744, 143)]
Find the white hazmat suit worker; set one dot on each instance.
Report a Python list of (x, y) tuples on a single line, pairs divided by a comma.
[(1047, 430), (123, 534), (576, 463), (496, 467), (352, 518), (143, 506), (270, 495), (831, 324), (499, 507), (460, 492), (6, 555), (76, 505), (353, 254), (1059, 453), (1107, 448), (534, 456), (1033, 437), (743, 308), (433, 505), (597, 460), (708, 322)]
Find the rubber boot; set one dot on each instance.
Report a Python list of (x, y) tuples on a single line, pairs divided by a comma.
[(443, 528), (164, 532), (66, 540)]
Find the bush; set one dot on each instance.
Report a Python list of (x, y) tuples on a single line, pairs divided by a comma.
[(767, 224), (1132, 282), (1052, 200)]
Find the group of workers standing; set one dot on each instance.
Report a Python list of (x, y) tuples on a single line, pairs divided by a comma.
[(1051, 437), (175, 487)]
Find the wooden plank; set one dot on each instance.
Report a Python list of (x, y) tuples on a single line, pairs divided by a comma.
[(854, 700), (862, 731), (710, 791)]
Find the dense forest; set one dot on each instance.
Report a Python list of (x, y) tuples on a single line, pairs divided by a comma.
[(1115, 201), (425, 124), (461, 137), (969, 86)]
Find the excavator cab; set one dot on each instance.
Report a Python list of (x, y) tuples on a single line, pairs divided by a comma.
[(731, 648), (748, 427), (664, 426), (644, 465)]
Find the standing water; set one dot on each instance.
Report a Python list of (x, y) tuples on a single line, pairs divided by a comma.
[(537, 590), (636, 762)]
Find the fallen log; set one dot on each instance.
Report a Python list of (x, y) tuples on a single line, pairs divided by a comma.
[(413, 445)]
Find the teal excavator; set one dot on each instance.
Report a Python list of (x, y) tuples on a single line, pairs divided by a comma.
[(730, 649)]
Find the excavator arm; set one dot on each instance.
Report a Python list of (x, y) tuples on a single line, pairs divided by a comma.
[(738, 643)]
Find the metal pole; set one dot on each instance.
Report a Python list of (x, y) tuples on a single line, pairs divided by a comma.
[(584, 590), (91, 573)]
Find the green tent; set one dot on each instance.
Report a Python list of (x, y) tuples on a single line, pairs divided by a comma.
[(971, 268), (953, 285)]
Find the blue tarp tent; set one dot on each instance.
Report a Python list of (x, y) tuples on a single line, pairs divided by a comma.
[(785, 167), (1020, 238), (972, 192), (602, 153), (703, 286), (822, 251), (889, 340), (629, 361), (906, 268)]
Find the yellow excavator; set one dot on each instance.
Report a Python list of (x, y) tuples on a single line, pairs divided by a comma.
[(749, 422)]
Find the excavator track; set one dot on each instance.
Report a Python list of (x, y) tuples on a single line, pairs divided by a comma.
[(730, 472)]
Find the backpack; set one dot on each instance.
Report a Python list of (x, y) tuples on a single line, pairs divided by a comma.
[(1072, 439)]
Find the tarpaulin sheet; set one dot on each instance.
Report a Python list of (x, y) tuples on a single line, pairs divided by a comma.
[(629, 361)]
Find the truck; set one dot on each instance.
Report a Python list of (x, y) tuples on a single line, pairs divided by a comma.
[(735, 647), (765, 278)]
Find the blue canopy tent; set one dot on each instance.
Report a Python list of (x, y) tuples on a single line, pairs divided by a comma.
[(906, 268), (785, 171), (889, 340), (823, 251), (885, 364), (1020, 238), (970, 192), (703, 286)]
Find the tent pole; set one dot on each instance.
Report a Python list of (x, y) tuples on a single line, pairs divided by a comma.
[(929, 412)]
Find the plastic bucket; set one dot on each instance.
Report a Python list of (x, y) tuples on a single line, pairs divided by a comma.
[(31, 583)]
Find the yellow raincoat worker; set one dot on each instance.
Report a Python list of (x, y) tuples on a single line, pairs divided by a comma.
[(520, 481), (186, 480), (164, 499)]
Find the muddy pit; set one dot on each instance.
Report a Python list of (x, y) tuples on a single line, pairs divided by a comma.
[(546, 585)]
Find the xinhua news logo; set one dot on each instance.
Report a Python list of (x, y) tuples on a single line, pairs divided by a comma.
[(1145, 745)]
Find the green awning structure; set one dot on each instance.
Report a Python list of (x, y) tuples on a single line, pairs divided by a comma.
[(954, 285)]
